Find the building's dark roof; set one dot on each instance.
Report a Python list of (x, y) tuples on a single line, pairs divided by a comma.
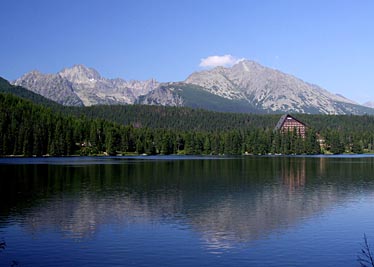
[(281, 121), (283, 118)]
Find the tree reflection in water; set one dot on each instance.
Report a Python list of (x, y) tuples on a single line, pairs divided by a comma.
[(226, 201)]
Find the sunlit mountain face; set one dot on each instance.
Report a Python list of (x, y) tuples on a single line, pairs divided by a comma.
[(247, 86)]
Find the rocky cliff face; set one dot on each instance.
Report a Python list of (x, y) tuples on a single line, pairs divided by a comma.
[(51, 86), (267, 88), (85, 86), (164, 95)]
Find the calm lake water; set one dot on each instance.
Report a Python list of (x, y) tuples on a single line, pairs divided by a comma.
[(186, 211)]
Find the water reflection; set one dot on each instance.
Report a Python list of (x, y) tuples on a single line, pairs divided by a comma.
[(224, 201), (293, 173)]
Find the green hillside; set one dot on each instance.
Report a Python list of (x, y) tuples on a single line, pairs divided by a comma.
[(6, 87), (196, 97)]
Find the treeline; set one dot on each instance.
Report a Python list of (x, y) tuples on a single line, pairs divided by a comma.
[(184, 118), (336, 133), (343, 133), (175, 118), (28, 129)]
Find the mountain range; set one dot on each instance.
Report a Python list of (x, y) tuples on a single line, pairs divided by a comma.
[(245, 87), (82, 86)]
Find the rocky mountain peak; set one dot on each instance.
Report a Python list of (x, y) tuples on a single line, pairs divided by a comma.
[(51, 86), (246, 64), (34, 73), (80, 74), (266, 88), (85, 86)]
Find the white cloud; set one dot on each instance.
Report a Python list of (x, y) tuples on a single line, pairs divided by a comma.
[(215, 61)]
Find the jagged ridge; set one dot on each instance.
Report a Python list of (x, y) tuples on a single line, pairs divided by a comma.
[(79, 85), (245, 87)]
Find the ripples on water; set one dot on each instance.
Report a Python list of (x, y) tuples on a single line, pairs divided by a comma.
[(185, 211)]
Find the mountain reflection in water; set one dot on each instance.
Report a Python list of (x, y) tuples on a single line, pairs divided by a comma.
[(225, 201)]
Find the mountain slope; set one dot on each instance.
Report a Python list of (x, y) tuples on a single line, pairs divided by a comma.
[(269, 89), (79, 85), (369, 104), (6, 87), (51, 86), (93, 89), (194, 96)]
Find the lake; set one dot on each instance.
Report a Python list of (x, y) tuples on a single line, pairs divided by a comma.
[(186, 211)]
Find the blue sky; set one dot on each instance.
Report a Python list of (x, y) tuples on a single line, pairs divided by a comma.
[(329, 43)]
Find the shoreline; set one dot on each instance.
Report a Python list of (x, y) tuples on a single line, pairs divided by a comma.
[(184, 156)]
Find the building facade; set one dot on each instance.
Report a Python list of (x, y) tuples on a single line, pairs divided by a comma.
[(287, 123)]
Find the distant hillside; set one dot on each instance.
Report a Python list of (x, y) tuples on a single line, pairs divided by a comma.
[(369, 104), (6, 87), (194, 96)]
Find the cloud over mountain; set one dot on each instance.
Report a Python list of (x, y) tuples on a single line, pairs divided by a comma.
[(215, 61)]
